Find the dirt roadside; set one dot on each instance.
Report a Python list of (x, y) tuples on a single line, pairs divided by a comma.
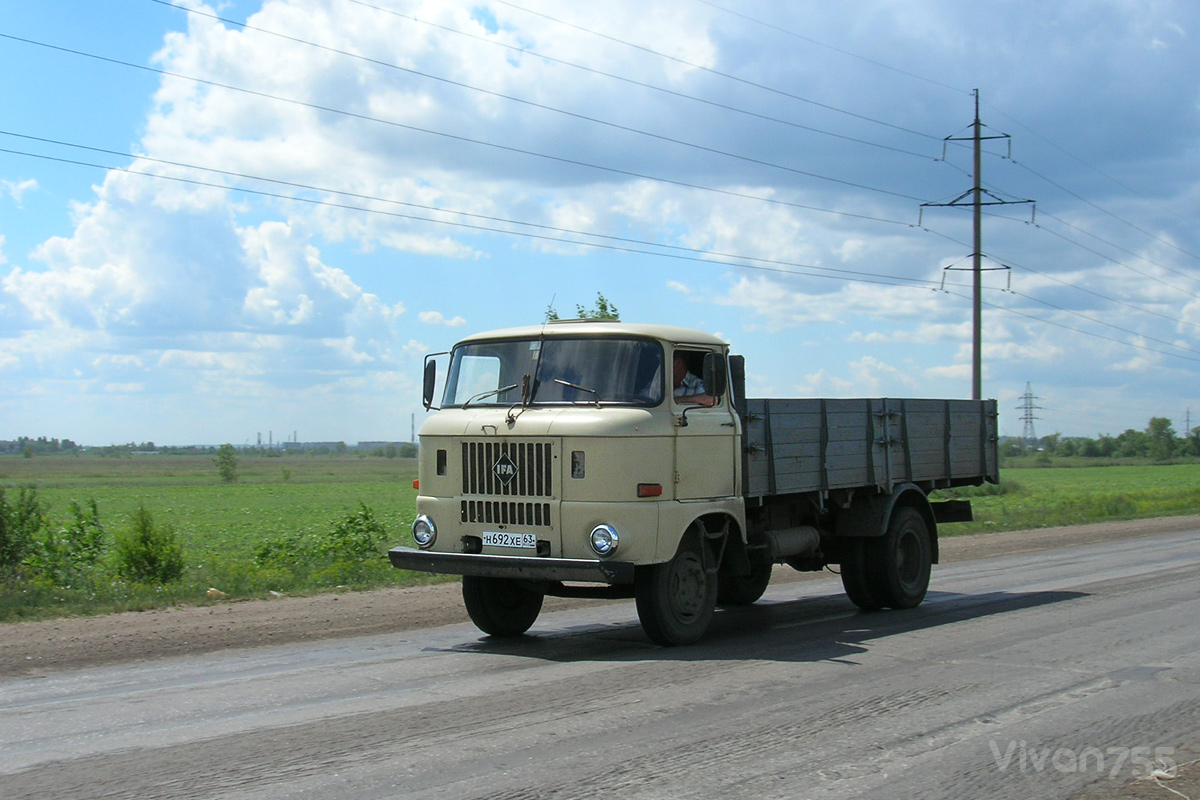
[(32, 648)]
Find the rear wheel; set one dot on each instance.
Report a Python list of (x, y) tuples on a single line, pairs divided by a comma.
[(500, 606), (676, 600), (856, 580), (901, 560)]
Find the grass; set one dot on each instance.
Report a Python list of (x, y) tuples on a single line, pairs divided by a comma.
[(1041, 497), (221, 526)]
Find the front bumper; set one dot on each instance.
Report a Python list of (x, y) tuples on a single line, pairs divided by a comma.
[(532, 568)]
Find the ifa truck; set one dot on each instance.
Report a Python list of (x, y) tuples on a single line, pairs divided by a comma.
[(610, 460)]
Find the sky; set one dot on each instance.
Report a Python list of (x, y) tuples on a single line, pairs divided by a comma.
[(220, 221)]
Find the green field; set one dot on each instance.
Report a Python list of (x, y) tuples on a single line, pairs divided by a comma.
[(222, 526), (1044, 497), (271, 496)]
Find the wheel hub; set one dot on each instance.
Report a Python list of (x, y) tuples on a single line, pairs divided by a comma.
[(688, 586)]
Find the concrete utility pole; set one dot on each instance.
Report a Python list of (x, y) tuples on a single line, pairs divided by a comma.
[(976, 194), (977, 264)]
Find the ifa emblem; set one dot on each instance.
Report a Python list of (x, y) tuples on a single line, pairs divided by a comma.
[(505, 469)]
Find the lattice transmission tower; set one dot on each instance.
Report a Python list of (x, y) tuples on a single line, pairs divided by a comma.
[(1027, 408)]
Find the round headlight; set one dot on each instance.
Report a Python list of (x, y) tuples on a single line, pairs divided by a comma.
[(604, 540), (424, 531)]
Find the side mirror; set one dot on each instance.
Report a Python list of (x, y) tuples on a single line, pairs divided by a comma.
[(430, 382), (716, 377)]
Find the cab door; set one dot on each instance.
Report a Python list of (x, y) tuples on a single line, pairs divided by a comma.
[(706, 457)]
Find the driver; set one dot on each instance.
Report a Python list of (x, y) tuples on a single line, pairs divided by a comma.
[(689, 387)]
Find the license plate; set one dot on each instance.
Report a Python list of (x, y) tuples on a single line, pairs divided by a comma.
[(524, 541)]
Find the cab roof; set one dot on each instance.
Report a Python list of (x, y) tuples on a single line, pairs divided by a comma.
[(601, 328)]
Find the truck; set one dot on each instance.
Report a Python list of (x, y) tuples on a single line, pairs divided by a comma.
[(603, 459)]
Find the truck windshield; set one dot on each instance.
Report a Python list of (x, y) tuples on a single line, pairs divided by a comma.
[(620, 371)]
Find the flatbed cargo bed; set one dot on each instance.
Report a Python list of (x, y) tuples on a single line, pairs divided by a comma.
[(795, 446)]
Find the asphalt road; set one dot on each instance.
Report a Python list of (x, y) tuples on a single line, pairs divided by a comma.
[(1033, 675)]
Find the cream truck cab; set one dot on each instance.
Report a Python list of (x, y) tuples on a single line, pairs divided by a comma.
[(562, 461)]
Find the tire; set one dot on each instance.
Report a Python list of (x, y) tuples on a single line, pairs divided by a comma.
[(742, 590), (856, 580), (900, 561), (500, 606), (676, 600)]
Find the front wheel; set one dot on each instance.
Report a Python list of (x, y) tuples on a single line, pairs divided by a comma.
[(500, 606), (676, 600)]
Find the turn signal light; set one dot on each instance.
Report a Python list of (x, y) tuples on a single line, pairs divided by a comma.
[(417, 483), (649, 490)]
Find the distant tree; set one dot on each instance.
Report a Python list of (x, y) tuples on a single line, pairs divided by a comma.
[(1107, 446), (1011, 448), (1132, 444), (604, 309), (1160, 438), (1191, 444), (227, 463)]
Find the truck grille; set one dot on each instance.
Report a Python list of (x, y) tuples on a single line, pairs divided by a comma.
[(508, 469), (495, 512)]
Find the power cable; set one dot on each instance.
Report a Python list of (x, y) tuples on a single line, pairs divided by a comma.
[(1043, 213), (827, 46), (457, 137), (1081, 315), (633, 81), (858, 277), (1146, 275), (1115, 246), (1015, 265), (1094, 169), (1094, 293), (530, 103), (685, 254), (762, 264), (1075, 330), (711, 254), (1105, 211), (718, 73)]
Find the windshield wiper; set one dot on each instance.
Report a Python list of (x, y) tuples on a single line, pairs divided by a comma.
[(580, 389), (492, 393)]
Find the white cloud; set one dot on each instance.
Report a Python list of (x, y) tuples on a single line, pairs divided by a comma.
[(437, 318), (781, 307), (18, 189)]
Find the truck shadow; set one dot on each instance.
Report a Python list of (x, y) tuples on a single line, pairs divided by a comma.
[(809, 629)]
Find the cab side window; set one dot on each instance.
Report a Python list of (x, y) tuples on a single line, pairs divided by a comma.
[(687, 367)]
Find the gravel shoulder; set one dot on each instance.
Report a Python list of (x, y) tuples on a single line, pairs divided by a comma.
[(32, 648)]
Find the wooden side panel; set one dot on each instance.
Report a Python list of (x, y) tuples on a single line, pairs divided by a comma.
[(806, 445)]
